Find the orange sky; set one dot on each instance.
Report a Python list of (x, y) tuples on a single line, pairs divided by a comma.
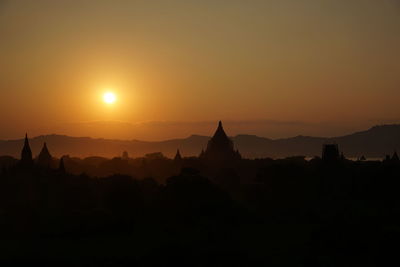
[(272, 68)]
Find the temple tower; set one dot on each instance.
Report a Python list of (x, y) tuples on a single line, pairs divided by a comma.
[(178, 157), (330, 152), (26, 153), (61, 166), (220, 147), (45, 158)]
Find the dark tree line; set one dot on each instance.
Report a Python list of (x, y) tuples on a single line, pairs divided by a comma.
[(289, 212)]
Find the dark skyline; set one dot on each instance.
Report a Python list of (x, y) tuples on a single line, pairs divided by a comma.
[(373, 143)]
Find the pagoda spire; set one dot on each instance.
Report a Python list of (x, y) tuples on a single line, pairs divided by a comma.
[(178, 156), (26, 153), (220, 133), (220, 147), (45, 157), (26, 143), (61, 167)]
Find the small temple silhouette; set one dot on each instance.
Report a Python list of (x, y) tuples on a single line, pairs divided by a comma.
[(392, 159), (178, 157), (45, 159), (61, 166), (330, 152), (220, 148), (26, 154), (395, 157)]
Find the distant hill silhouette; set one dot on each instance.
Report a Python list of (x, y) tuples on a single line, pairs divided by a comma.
[(373, 143)]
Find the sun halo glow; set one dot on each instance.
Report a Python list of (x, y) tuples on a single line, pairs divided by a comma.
[(109, 97)]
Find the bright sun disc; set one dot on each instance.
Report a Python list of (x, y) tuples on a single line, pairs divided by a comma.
[(109, 97)]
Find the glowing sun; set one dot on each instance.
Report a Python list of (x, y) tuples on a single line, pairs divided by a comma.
[(109, 97)]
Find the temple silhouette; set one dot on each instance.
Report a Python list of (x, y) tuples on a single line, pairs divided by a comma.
[(330, 152), (220, 151), (45, 159), (26, 154), (220, 148), (178, 157)]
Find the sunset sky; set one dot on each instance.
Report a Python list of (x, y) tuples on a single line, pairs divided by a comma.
[(273, 68)]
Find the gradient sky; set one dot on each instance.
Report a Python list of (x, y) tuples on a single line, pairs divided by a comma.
[(315, 67)]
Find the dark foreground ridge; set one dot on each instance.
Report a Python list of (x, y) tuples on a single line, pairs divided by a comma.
[(199, 211)]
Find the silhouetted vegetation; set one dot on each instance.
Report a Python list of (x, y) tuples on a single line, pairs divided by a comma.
[(155, 211), (256, 212)]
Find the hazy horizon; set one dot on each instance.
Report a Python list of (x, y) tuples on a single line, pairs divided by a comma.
[(160, 131)]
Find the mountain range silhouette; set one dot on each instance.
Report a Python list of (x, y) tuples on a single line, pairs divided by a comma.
[(375, 142)]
